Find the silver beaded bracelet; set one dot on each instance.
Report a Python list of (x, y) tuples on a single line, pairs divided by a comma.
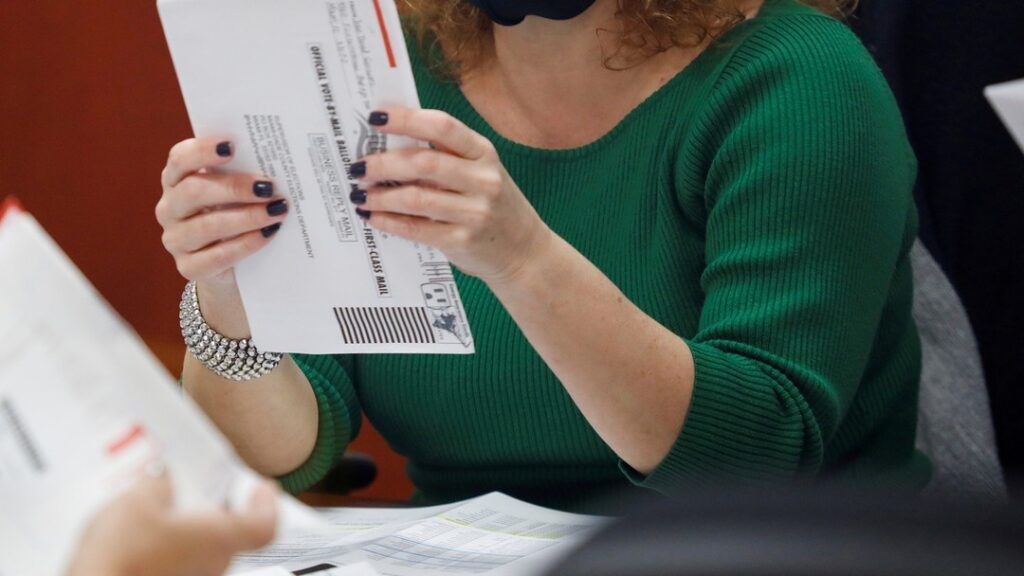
[(237, 360)]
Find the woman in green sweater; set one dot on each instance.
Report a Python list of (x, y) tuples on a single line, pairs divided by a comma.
[(681, 233)]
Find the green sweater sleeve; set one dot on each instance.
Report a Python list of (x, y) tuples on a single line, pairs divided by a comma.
[(806, 179), (339, 417)]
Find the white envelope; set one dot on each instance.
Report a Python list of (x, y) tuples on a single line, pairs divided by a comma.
[(291, 83)]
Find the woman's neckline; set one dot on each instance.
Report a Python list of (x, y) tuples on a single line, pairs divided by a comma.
[(507, 145)]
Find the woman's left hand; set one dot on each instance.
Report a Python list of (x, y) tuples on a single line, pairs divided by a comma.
[(456, 196)]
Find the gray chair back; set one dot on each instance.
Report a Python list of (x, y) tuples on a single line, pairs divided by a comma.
[(954, 418)]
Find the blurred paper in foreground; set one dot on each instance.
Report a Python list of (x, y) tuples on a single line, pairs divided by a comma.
[(1008, 100), (85, 409)]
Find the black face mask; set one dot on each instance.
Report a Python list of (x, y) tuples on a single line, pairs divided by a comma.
[(512, 12)]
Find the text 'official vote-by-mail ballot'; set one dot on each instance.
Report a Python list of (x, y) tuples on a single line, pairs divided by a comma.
[(291, 83)]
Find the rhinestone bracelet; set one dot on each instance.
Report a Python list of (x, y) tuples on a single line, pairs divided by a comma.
[(237, 360)]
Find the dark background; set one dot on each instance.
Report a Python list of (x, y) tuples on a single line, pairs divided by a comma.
[(938, 56), (89, 106)]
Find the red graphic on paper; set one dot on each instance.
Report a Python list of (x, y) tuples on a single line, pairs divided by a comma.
[(127, 439)]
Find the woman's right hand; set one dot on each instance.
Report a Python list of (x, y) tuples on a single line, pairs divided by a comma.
[(212, 220)]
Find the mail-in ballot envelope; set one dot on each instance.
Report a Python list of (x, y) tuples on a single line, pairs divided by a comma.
[(291, 83)]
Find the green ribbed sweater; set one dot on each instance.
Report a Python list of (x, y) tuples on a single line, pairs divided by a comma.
[(759, 206)]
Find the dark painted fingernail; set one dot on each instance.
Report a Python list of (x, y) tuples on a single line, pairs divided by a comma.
[(277, 207), (364, 214), (358, 170), (270, 230), (358, 196), (263, 189), (378, 118), (224, 149)]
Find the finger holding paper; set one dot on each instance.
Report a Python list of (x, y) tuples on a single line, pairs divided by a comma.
[(457, 197), (212, 220)]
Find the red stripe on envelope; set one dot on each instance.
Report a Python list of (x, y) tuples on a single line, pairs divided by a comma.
[(384, 33)]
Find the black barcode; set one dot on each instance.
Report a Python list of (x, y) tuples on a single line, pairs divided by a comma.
[(388, 325)]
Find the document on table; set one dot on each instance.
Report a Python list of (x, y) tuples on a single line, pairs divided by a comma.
[(494, 535), (291, 83), (1008, 100), (361, 569), (85, 409), (347, 525)]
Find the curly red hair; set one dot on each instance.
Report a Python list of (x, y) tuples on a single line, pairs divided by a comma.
[(462, 32)]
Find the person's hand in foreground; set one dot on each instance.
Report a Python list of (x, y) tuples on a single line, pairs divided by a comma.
[(139, 534)]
